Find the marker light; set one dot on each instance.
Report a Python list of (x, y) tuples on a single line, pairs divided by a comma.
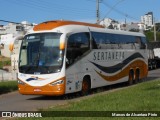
[(11, 46), (57, 82), (20, 82)]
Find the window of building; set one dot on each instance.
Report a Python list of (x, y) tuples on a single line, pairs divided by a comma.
[(19, 28)]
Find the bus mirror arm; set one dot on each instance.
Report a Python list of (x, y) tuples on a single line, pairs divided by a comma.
[(90, 37), (67, 61)]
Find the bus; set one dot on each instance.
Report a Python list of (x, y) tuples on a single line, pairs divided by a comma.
[(61, 57)]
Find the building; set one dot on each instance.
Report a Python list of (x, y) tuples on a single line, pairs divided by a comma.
[(113, 24), (11, 36), (132, 27), (110, 23), (12, 28), (2, 30), (142, 26), (147, 20), (9, 32)]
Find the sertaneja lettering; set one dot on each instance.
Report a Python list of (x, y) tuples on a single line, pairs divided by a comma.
[(100, 56)]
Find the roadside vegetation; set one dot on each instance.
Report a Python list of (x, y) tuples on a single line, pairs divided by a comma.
[(4, 61), (150, 36), (144, 96), (150, 33), (8, 86)]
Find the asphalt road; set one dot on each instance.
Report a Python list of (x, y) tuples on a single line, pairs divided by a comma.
[(17, 102)]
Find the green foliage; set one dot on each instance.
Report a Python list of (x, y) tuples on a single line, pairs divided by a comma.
[(5, 63), (141, 97), (8, 86), (158, 27), (158, 36), (150, 35)]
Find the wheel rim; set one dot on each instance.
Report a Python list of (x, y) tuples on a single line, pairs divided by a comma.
[(137, 76), (130, 78), (85, 86)]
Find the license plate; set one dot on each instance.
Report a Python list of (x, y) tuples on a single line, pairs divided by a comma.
[(37, 90)]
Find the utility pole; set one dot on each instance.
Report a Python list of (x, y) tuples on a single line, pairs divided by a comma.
[(97, 11), (155, 39)]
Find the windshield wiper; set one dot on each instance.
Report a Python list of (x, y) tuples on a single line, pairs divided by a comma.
[(36, 60), (28, 69)]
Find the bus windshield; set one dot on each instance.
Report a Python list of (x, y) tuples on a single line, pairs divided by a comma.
[(41, 54)]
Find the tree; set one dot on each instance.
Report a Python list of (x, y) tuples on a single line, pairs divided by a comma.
[(150, 35), (158, 27)]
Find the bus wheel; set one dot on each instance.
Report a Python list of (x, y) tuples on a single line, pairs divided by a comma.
[(86, 85), (137, 76), (131, 77)]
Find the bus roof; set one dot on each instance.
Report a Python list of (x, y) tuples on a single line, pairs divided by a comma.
[(49, 25)]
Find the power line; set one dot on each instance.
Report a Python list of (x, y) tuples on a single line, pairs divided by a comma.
[(9, 21), (111, 7), (118, 11), (46, 7), (15, 22), (49, 10), (64, 7)]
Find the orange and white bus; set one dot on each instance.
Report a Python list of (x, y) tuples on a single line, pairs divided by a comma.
[(61, 57)]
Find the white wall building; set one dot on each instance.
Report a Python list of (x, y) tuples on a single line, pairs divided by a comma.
[(132, 26), (2, 30), (147, 19), (142, 26), (107, 22), (8, 34)]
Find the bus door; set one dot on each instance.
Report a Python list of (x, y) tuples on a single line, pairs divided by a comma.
[(77, 46)]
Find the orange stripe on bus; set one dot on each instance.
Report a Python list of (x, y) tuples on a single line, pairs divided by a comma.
[(48, 89), (49, 25), (125, 72)]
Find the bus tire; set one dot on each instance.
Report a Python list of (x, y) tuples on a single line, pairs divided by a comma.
[(131, 77), (86, 86), (137, 78), (155, 65)]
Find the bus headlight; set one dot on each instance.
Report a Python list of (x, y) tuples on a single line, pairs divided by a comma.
[(58, 82), (20, 82)]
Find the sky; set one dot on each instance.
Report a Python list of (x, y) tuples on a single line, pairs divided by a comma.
[(37, 11)]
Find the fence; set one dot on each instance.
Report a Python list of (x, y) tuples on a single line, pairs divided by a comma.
[(6, 76)]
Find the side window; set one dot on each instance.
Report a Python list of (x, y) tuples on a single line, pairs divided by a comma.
[(140, 42), (144, 44), (117, 41), (77, 45), (112, 41), (126, 42), (95, 40), (99, 40)]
